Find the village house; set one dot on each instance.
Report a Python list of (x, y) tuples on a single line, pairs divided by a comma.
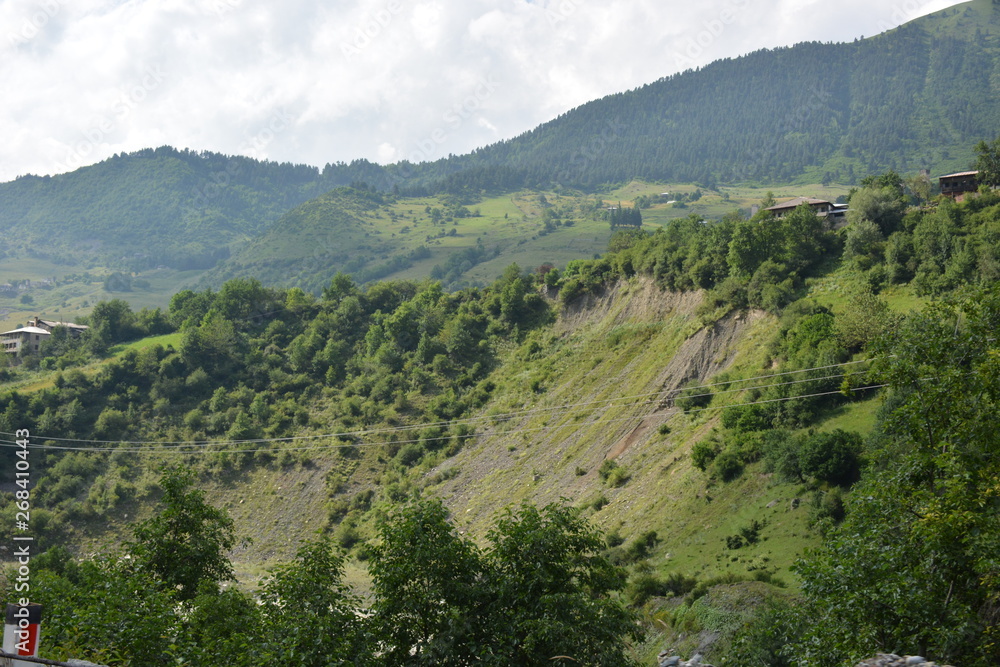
[(29, 338), (956, 186), (834, 213), (49, 325)]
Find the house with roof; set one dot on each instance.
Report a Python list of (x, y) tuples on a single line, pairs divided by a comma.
[(26, 339), (835, 214), (957, 185), (29, 338), (74, 329)]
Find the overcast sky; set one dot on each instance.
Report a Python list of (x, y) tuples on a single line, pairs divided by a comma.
[(318, 81)]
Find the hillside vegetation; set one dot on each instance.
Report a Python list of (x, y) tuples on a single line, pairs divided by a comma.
[(683, 393), (461, 241)]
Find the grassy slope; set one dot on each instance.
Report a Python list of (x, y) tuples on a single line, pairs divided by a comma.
[(309, 244), (657, 343), (597, 373), (325, 233), (593, 383)]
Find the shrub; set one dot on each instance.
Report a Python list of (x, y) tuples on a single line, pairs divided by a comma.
[(647, 584), (613, 474), (641, 546), (751, 532), (693, 397), (410, 454), (747, 418), (618, 477), (337, 509), (831, 457), (703, 453), (728, 466), (613, 539)]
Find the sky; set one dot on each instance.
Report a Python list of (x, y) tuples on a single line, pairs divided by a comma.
[(316, 82)]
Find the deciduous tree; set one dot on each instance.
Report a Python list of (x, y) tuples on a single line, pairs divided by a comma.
[(185, 544)]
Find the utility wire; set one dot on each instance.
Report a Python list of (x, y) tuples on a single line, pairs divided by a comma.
[(174, 448), (508, 416)]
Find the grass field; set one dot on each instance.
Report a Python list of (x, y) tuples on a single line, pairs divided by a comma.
[(167, 340), (510, 225), (69, 292)]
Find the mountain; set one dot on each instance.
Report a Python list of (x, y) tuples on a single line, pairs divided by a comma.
[(156, 207), (914, 97)]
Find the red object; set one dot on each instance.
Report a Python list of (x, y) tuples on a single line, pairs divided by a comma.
[(21, 629), (31, 647)]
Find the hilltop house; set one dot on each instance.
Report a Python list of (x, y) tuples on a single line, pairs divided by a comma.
[(26, 338), (957, 185), (834, 213), (49, 325), (29, 338)]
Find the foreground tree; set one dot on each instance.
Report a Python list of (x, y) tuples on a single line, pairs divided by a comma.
[(429, 601), (310, 616), (184, 546), (914, 567), (551, 587), (542, 591)]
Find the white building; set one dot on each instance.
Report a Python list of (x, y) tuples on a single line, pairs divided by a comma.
[(25, 338)]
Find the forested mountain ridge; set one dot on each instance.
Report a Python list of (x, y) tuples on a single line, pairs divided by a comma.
[(162, 206), (915, 97)]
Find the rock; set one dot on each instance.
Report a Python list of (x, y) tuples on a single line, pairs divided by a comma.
[(772, 504), (676, 661), (893, 660), (795, 503)]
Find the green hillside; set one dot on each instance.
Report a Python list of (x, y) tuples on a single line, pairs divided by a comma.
[(463, 241), (709, 396), (374, 235)]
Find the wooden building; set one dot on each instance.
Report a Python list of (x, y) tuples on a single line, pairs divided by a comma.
[(959, 184)]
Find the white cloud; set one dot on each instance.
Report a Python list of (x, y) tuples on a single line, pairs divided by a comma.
[(315, 82)]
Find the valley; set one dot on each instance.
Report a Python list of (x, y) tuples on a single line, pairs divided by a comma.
[(588, 394)]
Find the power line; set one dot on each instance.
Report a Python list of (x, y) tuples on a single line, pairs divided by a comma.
[(177, 449), (508, 416)]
